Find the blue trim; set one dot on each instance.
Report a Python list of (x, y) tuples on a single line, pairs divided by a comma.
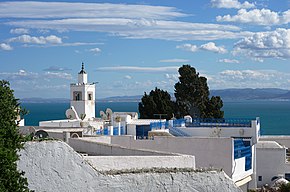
[(243, 149)]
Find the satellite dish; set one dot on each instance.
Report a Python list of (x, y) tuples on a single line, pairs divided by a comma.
[(109, 113), (103, 115), (41, 134), (71, 113)]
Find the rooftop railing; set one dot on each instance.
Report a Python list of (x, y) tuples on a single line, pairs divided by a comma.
[(206, 122), (225, 122)]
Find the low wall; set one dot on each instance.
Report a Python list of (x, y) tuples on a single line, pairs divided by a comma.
[(95, 148), (208, 152), (106, 163), (281, 139), (54, 166)]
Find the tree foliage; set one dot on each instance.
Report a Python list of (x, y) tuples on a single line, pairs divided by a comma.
[(192, 98), (192, 95), (157, 102), (10, 142), (284, 187)]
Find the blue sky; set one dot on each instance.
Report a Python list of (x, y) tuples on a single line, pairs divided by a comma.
[(130, 47)]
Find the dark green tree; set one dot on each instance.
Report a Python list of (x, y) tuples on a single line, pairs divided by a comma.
[(157, 102), (214, 107), (192, 96), (10, 142)]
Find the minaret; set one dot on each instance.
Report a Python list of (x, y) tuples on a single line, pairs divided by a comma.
[(82, 76), (83, 96)]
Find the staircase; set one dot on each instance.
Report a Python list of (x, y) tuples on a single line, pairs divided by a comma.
[(177, 132)]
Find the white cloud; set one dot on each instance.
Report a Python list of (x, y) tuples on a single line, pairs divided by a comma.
[(188, 47), (128, 77), (128, 21), (58, 75), (159, 29), (95, 50), (229, 61), (139, 69), (21, 75), (273, 44), (73, 44), (5, 47), (257, 17), (174, 61), (205, 47), (247, 75), (51, 39), (56, 68), (232, 4), (213, 48), (30, 9), (19, 31), (249, 79), (172, 77)]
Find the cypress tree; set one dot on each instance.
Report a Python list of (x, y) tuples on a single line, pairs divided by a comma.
[(192, 96), (11, 179), (157, 102)]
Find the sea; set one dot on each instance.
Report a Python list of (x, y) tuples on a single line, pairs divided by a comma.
[(274, 115)]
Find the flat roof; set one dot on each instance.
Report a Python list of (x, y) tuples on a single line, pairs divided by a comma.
[(269, 145), (144, 121)]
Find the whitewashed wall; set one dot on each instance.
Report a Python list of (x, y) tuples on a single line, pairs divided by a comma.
[(106, 163), (271, 162), (53, 166)]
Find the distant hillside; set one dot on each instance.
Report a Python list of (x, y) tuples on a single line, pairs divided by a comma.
[(44, 100), (252, 94), (226, 95), (134, 98)]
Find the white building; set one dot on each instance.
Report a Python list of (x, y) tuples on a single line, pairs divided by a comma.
[(229, 145), (82, 96)]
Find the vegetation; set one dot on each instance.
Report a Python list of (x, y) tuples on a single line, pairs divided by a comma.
[(158, 102), (284, 187), (192, 98), (10, 142)]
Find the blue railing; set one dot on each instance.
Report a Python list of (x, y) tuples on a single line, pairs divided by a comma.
[(159, 125), (178, 122), (106, 131), (205, 122), (229, 122)]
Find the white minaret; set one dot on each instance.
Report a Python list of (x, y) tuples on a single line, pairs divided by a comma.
[(82, 96)]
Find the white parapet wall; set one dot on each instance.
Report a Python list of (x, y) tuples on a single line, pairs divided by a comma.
[(271, 162), (106, 163), (208, 152), (281, 139), (54, 166), (90, 147)]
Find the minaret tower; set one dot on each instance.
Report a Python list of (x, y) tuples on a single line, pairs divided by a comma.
[(82, 96)]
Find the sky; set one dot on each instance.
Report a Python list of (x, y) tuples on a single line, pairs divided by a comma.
[(130, 47)]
